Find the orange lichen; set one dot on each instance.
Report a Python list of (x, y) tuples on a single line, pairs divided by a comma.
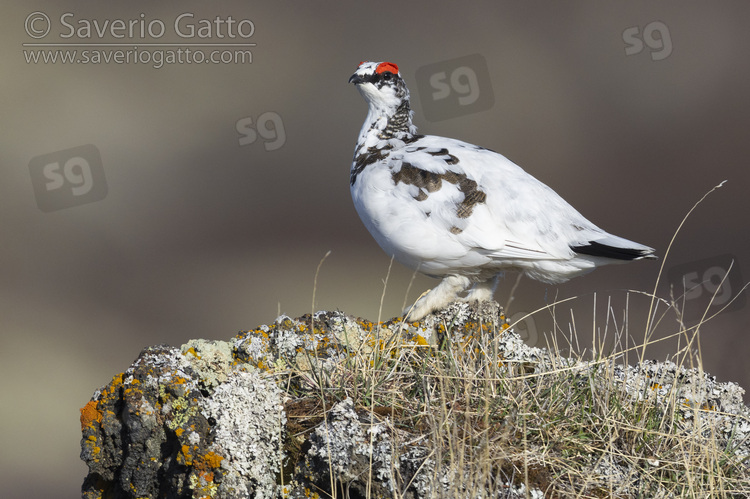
[(366, 325), (130, 390), (310, 493), (192, 351), (211, 459), (113, 385), (287, 324), (90, 413), (420, 340), (187, 456)]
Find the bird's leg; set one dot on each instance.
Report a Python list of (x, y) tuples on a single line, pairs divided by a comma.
[(441, 295), (482, 291)]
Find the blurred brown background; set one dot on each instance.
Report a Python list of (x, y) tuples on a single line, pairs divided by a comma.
[(631, 111)]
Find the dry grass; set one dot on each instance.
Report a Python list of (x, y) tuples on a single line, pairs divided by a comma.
[(564, 426), (497, 422)]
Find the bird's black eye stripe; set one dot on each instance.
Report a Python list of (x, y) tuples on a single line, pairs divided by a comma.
[(370, 78), (377, 79)]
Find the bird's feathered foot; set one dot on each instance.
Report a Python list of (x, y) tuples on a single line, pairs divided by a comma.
[(482, 291), (439, 297)]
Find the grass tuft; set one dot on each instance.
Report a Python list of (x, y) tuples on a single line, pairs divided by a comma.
[(470, 411)]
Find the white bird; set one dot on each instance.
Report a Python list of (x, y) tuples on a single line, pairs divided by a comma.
[(460, 212)]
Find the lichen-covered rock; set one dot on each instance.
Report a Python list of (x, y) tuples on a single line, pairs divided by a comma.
[(357, 447), (268, 413), (248, 423), (208, 419), (188, 422), (140, 431)]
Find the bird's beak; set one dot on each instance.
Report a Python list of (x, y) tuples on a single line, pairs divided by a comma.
[(356, 79)]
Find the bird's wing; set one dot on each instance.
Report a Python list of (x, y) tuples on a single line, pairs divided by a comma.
[(487, 203)]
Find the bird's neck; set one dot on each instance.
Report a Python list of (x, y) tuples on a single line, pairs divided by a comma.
[(399, 124), (384, 124)]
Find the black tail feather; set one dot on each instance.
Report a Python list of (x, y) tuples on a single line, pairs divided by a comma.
[(593, 248)]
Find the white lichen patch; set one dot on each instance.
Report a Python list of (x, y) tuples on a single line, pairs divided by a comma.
[(249, 416), (212, 360), (349, 444)]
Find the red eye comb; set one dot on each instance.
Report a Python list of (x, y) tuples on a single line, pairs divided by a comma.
[(386, 66)]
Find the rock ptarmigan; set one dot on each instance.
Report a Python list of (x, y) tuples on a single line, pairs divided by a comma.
[(460, 212)]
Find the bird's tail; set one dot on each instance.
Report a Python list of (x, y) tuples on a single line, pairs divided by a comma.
[(615, 248)]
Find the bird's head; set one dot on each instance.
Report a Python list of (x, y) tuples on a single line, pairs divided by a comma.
[(381, 85)]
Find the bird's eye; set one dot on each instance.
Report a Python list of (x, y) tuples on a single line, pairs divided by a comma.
[(387, 76)]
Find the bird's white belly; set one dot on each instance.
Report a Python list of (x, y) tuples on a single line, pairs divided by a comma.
[(406, 229)]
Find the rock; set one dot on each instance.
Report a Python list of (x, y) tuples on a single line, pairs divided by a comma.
[(208, 419), (287, 410)]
